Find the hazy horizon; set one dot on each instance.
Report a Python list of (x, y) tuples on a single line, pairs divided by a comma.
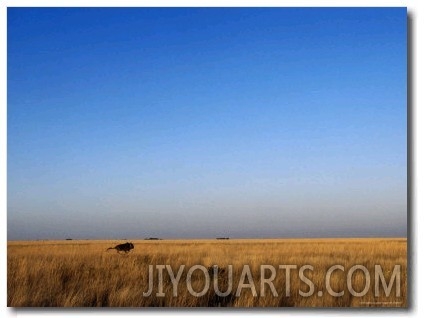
[(206, 122)]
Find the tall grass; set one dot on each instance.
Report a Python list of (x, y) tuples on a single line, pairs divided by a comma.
[(84, 274)]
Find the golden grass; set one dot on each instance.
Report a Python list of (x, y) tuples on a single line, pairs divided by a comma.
[(83, 274)]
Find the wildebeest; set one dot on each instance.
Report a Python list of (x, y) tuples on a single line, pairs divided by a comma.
[(125, 247)]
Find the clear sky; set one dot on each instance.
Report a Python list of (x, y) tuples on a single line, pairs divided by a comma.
[(181, 123)]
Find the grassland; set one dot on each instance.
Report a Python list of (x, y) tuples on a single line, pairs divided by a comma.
[(83, 274)]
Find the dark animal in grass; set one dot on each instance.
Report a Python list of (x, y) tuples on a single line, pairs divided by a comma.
[(125, 247)]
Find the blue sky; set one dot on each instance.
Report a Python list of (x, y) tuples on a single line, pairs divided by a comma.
[(273, 122)]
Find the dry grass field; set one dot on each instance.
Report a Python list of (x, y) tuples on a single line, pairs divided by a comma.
[(83, 274)]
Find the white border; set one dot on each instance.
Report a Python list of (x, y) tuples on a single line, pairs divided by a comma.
[(417, 12), (206, 3), (3, 156)]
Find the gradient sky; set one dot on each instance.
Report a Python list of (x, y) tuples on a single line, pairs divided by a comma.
[(181, 123)]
